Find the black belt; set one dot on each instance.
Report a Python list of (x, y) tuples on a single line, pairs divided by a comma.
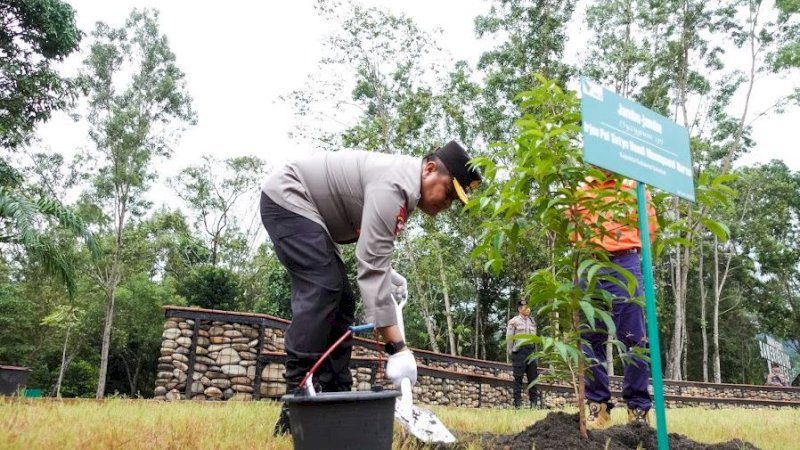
[(624, 252)]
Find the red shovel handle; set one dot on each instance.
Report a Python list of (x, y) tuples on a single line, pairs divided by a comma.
[(325, 355), (342, 338)]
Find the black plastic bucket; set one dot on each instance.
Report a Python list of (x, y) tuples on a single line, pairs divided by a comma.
[(361, 420)]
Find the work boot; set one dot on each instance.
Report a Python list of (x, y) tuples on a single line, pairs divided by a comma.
[(282, 426), (638, 416), (535, 399), (598, 417)]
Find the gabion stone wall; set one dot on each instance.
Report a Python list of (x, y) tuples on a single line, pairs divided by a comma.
[(223, 363), (221, 355)]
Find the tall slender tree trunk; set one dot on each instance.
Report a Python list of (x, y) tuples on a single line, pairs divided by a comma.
[(424, 307), (680, 272), (483, 343), (423, 302), (431, 333), (703, 318), (112, 280), (133, 374), (478, 331), (753, 23), (448, 313), (63, 368), (106, 346), (715, 317), (674, 364), (684, 365)]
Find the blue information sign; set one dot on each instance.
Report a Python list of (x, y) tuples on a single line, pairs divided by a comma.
[(635, 142)]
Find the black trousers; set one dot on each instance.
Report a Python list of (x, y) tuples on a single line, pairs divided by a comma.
[(323, 304), (524, 368)]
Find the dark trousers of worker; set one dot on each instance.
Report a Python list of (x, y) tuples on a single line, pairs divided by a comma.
[(323, 305), (524, 368), (629, 320)]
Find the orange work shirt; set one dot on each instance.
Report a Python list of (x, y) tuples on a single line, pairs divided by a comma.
[(617, 237)]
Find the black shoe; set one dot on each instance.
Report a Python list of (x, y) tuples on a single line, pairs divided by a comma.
[(282, 426)]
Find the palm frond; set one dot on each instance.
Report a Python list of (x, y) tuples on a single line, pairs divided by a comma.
[(23, 213), (68, 220), (39, 248)]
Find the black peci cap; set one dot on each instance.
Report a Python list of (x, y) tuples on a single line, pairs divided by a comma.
[(465, 177), (522, 303)]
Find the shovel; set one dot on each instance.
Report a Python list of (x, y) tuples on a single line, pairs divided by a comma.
[(420, 422)]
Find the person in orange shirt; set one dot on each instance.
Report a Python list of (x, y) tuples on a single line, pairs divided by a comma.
[(623, 244)]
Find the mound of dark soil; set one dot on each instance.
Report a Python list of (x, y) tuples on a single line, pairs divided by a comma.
[(559, 431)]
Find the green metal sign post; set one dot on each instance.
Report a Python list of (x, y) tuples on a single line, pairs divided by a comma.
[(652, 319), (640, 144)]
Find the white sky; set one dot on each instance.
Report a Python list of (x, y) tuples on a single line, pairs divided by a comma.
[(238, 58)]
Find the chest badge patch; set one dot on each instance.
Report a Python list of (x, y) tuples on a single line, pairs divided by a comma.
[(400, 225)]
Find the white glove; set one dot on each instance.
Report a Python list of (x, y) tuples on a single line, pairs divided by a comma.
[(402, 365), (399, 286)]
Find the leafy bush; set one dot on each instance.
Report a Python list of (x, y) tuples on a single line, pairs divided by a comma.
[(211, 287)]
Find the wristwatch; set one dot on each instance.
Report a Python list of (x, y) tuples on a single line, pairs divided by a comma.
[(394, 347)]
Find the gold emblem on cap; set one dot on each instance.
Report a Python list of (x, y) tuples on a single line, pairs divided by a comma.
[(460, 191)]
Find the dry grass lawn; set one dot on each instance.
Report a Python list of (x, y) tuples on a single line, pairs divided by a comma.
[(145, 424)]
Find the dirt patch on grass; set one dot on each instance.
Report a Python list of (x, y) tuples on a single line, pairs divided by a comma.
[(560, 431)]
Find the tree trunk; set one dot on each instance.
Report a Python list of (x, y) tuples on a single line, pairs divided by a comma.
[(478, 330), (128, 372), (448, 314), (424, 305), (580, 384), (673, 371), (482, 321), (753, 24), (674, 364), (137, 372), (715, 316), (431, 332), (703, 320), (680, 271), (610, 358), (483, 347), (425, 309), (684, 365), (63, 368), (429, 328), (101, 381)]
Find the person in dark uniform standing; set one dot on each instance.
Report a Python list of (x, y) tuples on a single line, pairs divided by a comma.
[(523, 367), (310, 206)]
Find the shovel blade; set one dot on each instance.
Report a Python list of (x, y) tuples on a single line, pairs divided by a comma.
[(423, 424)]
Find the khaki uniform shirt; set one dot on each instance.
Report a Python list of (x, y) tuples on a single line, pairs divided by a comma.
[(518, 324), (777, 379), (357, 196)]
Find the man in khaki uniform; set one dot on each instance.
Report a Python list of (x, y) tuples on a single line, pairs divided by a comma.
[(523, 366), (310, 206), (776, 377)]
